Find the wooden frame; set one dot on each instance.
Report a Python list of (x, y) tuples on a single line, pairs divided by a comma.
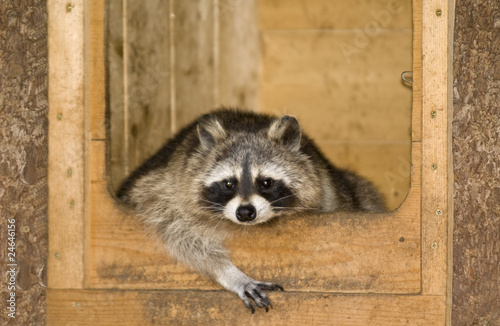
[(386, 269)]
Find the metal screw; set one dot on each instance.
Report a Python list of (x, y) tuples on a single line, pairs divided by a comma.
[(439, 12), (69, 6), (70, 172), (78, 304), (26, 229), (72, 203), (439, 212), (434, 245), (59, 116), (57, 255), (434, 166), (433, 114), (402, 239)]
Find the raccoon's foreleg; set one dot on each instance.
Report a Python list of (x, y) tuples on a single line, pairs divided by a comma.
[(234, 280), (206, 254)]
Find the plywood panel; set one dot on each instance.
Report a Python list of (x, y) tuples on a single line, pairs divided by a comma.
[(66, 145), (222, 308), (337, 96), (353, 250), (334, 14)]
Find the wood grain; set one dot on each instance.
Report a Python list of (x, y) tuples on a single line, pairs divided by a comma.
[(436, 89), (113, 307), (358, 254), (333, 14), (139, 83), (66, 145), (195, 60), (238, 54)]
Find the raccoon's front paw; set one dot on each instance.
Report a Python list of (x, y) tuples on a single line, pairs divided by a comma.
[(253, 292)]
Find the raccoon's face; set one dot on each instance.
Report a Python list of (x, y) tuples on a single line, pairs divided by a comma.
[(251, 194), (248, 182)]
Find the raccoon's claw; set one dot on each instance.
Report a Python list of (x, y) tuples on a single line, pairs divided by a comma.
[(254, 291)]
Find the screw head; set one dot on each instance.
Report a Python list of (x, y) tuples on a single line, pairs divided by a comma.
[(439, 212), (78, 304), (59, 116), (26, 229), (434, 166), (70, 172), (439, 12), (433, 114), (434, 245), (57, 255)]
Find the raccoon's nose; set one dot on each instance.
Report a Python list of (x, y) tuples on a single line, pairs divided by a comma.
[(246, 213)]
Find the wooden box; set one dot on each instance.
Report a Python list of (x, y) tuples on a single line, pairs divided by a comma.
[(337, 269)]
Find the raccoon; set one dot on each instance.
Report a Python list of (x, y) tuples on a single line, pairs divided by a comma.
[(234, 167)]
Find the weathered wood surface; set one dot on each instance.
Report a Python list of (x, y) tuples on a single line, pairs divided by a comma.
[(139, 82), (23, 156), (436, 158), (66, 145), (336, 66), (334, 14), (126, 308), (358, 254), (476, 156)]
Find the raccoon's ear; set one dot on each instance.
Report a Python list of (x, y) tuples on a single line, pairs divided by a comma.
[(210, 131), (286, 131)]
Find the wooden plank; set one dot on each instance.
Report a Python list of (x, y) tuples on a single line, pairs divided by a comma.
[(416, 115), (95, 84), (358, 253), (436, 90), (91, 307), (339, 95), (66, 144), (334, 14), (195, 60), (148, 79), (238, 54), (97, 161), (115, 75)]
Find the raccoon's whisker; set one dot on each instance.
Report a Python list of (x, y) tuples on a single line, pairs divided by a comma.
[(212, 203), (295, 208), (281, 199)]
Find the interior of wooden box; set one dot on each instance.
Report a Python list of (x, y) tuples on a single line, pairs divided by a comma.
[(299, 69)]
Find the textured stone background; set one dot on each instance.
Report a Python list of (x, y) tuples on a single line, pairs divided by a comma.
[(476, 154), (476, 159), (23, 153)]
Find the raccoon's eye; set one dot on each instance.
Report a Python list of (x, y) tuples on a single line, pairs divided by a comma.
[(266, 183), (228, 184)]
